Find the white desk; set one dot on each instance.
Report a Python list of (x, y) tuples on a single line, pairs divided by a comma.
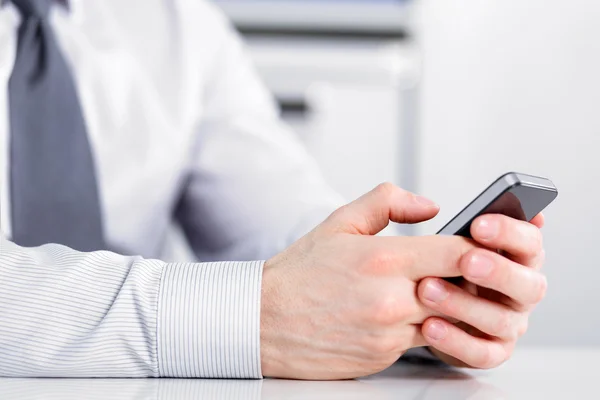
[(537, 373)]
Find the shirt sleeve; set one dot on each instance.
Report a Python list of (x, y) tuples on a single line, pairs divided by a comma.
[(70, 314), (252, 188)]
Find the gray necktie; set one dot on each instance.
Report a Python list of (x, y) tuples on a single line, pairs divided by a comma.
[(53, 182)]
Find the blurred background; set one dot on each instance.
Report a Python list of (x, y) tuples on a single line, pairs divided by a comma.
[(443, 96)]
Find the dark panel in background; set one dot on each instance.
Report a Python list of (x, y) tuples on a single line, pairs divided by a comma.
[(376, 19)]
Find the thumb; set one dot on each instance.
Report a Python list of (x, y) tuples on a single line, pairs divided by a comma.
[(372, 212)]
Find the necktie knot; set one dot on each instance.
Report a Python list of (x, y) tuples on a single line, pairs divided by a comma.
[(33, 8)]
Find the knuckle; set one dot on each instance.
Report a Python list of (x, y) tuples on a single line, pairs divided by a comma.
[(380, 261), (541, 290), (536, 243), (507, 354), (487, 359), (462, 251), (484, 360), (411, 256), (503, 325), (541, 259), (383, 346), (523, 327), (341, 213), (387, 311), (506, 275), (385, 189), (498, 275)]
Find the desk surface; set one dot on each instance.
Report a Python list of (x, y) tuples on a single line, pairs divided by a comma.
[(533, 373)]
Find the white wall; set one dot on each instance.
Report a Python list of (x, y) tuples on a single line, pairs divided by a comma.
[(515, 85), (356, 93)]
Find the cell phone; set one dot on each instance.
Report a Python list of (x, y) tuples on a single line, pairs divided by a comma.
[(516, 195)]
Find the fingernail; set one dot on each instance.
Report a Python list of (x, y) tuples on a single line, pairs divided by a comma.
[(436, 331), (487, 228), (435, 291), (479, 266), (424, 201)]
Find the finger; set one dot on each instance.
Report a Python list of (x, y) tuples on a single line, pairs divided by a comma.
[(522, 240), (420, 257), (489, 317), (539, 221), (371, 213), (394, 340), (526, 286), (416, 337), (473, 351), (395, 304), (422, 312)]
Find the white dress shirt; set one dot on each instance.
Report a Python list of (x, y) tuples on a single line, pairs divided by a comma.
[(181, 129), (183, 132)]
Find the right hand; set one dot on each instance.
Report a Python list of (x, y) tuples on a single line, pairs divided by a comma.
[(341, 303)]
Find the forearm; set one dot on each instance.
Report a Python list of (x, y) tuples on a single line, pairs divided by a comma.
[(70, 314)]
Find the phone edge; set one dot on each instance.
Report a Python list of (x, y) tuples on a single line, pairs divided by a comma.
[(503, 183)]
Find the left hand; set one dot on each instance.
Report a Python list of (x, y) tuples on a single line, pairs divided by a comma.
[(494, 304)]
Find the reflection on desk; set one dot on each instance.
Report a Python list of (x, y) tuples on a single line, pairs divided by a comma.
[(532, 373)]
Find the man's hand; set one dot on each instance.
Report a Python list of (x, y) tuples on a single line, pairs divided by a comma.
[(494, 304), (341, 303)]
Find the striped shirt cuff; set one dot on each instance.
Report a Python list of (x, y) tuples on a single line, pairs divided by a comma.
[(209, 320)]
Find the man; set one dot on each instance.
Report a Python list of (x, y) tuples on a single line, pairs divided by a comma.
[(125, 116)]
